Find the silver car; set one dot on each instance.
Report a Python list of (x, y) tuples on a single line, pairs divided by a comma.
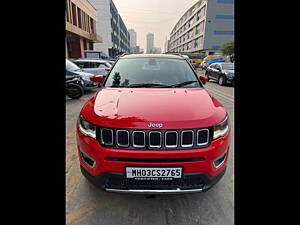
[(94, 66)]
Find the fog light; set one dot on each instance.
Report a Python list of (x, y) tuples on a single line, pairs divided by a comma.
[(220, 160), (88, 160)]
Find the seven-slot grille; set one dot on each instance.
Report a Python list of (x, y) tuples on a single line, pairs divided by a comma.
[(154, 139)]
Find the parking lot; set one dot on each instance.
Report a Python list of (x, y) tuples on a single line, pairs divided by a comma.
[(87, 205)]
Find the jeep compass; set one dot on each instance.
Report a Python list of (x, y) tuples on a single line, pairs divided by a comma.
[(153, 128)]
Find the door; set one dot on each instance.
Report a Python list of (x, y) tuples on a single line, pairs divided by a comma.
[(211, 71), (217, 72)]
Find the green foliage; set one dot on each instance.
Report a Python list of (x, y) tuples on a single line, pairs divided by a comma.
[(228, 48)]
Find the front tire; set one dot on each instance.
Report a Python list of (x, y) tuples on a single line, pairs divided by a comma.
[(75, 91), (222, 80)]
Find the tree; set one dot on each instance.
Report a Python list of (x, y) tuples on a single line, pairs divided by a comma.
[(228, 48)]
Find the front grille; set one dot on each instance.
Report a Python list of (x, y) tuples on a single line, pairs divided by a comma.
[(138, 139), (187, 138), (154, 139), (122, 138)]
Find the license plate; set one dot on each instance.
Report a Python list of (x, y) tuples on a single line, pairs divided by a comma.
[(153, 173)]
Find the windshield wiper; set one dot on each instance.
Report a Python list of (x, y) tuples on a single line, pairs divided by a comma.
[(183, 83), (147, 85)]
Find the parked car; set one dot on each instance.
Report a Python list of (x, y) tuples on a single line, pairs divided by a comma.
[(221, 72), (74, 86), (141, 132), (94, 66), (72, 69)]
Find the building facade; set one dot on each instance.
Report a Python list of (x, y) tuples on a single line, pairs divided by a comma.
[(112, 29), (80, 28), (204, 27), (150, 42)]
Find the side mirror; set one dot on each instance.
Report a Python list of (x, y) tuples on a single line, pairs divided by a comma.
[(98, 78), (203, 79)]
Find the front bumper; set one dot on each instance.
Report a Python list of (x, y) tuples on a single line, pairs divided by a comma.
[(89, 85), (116, 182), (230, 81), (108, 171)]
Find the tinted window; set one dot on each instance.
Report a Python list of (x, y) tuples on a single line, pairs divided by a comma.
[(71, 66), (102, 65), (151, 71), (228, 66), (80, 64), (83, 64)]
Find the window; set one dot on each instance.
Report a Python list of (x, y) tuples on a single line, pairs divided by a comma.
[(86, 65), (223, 32), (201, 27), (70, 66), (200, 41), (79, 17), (151, 70), (88, 24), (196, 43), (74, 16), (213, 66), (92, 25)]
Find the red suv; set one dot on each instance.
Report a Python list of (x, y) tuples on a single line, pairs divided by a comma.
[(153, 128)]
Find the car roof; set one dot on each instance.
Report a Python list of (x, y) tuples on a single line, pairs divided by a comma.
[(222, 63), (91, 60), (136, 56)]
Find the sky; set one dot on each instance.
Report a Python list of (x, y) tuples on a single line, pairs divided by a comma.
[(154, 16)]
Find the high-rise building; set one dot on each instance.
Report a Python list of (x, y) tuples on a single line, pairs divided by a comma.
[(204, 27), (132, 38), (166, 46), (80, 28), (110, 26), (150, 42)]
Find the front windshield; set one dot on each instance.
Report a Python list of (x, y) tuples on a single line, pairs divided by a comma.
[(228, 66), (70, 66), (152, 72)]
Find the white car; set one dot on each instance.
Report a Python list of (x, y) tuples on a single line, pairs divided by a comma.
[(204, 65), (94, 66)]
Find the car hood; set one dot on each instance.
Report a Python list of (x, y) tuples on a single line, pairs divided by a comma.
[(136, 107)]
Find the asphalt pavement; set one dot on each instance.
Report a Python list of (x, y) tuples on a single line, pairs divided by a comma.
[(87, 205)]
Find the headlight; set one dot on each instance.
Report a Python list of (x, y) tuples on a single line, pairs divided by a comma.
[(87, 128), (221, 128)]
